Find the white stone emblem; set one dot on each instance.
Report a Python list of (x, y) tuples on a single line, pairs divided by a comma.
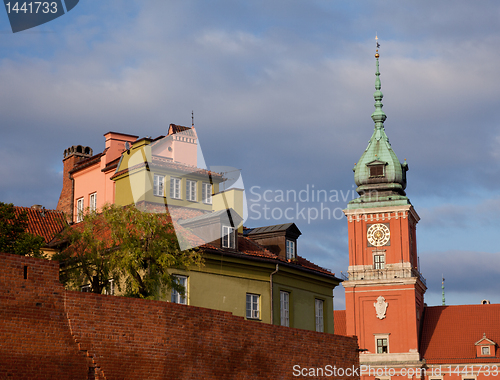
[(381, 307)]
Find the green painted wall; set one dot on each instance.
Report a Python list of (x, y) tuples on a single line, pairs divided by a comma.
[(303, 293), (223, 284)]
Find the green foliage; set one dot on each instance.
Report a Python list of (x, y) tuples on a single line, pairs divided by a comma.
[(14, 237), (132, 247)]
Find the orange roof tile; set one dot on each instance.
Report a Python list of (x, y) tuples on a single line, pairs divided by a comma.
[(339, 322), (42, 222), (246, 246), (449, 333)]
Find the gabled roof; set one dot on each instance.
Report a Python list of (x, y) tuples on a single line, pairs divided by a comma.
[(376, 162), (42, 222), (449, 333), (485, 341), (86, 162), (173, 129)]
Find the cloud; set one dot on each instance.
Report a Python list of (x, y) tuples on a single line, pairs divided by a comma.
[(282, 90), (470, 276)]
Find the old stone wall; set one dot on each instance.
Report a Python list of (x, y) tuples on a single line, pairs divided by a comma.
[(47, 332)]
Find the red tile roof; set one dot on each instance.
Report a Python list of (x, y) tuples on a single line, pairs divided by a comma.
[(246, 246), (42, 222), (449, 333), (86, 162), (339, 322)]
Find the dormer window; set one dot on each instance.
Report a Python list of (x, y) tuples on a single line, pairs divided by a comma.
[(376, 171), (228, 237), (290, 250), (485, 347)]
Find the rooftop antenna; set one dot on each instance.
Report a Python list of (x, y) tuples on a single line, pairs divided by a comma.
[(192, 119), (442, 288)]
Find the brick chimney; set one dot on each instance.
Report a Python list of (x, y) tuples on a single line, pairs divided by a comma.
[(72, 156)]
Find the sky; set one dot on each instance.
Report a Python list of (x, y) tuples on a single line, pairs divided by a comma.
[(282, 90)]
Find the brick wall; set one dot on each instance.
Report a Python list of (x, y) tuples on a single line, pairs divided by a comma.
[(48, 332), (66, 201)]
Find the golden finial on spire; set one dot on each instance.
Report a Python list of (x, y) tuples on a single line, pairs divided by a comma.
[(378, 45)]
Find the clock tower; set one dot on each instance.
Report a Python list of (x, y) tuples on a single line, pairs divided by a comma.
[(385, 290)]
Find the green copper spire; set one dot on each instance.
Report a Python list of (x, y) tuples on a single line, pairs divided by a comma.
[(378, 116), (380, 177), (442, 289)]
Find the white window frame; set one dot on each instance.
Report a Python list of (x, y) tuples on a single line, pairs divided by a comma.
[(159, 185), (175, 188), (110, 288), (378, 264), (228, 237), (485, 354), (284, 308), (177, 297), (290, 249), (93, 202), (381, 337), (253, 306), (206, 193), (191, 190), (319, 314), (80, 204)]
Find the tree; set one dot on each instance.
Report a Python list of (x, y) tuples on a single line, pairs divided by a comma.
[(132, 247), (14, 235)]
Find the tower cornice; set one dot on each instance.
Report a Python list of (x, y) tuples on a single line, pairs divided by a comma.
[(388, 212)]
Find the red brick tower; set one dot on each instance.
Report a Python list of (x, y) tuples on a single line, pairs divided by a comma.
[(72, 156), (385, 290)]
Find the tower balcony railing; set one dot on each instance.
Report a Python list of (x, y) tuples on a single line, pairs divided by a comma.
[(382, 274)]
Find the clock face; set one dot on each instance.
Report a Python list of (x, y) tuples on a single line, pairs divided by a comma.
[(378, 235)]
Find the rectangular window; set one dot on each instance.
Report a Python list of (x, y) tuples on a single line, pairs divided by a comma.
[(485, 350), (228, 237), (379, 261), (206, 193), (93, 202), (382, 346), (377, 171), (179, 297), (159, 185), (79, 210), (285, 308), (110, 288), (290, 249), (175, 188), (253, 306), (319, 315), (191, 191)]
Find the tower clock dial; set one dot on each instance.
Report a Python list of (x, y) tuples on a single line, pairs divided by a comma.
[(378, 235)]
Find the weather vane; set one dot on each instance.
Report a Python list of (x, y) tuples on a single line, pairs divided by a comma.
[(378, 45), (192, 118)]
